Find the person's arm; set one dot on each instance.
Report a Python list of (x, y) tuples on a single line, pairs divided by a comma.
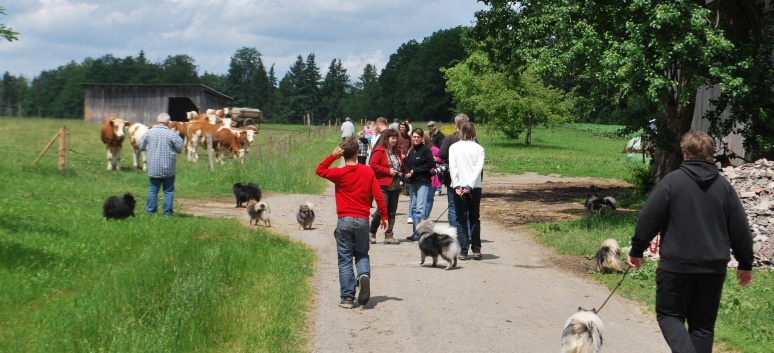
[(379, 163), (453, 168), (652, 219), (443, 152), (177, 143), (323, 169)]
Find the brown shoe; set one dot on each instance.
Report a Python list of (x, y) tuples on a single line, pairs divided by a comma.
[(462, 257), (388, 239), (477, 256), (372, 238)]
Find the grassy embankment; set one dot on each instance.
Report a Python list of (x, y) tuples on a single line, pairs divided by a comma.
[(73, 282), (745, 322)]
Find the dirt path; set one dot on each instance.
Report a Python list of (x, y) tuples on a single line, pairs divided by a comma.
[(516, 299)]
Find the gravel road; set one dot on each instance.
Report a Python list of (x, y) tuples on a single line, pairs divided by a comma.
[(513, 300)]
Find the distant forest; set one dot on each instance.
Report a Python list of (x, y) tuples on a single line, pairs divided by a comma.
[(410, 86)]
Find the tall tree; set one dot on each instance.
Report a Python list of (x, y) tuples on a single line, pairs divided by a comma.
[(293, 93), (364, 101), (659, 51), (311, 88), (509, 104), (393, 89), (333, 92), (244, 75), (178, 69)]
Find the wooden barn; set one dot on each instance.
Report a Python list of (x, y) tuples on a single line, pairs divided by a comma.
[(141, 103)]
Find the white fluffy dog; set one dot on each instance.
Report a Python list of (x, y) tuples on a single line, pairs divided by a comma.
[(438, 240), (583, 333)]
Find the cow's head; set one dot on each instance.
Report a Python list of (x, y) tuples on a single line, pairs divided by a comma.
[(250, 132), (119, 125)]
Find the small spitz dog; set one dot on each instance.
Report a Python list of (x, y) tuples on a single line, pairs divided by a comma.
[(438, 240), (119, 207), (605, 206), (244, 193), (305, 215), (608, 257), (583, 333), (259, 211)]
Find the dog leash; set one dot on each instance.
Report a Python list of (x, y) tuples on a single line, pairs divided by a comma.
[(439, 216), (596, 311)]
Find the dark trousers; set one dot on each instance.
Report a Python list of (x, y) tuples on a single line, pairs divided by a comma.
[(694, 297), (468, 223), (391, 198)]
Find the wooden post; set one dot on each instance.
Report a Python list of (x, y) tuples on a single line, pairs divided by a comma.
[(210, 152), (64, 147), (308, 129), (271, 147), (260, 156)]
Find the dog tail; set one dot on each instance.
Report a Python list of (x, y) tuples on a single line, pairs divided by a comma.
[(262, 206), (583, 333), (608, 257), (610, 202), (310, 204)]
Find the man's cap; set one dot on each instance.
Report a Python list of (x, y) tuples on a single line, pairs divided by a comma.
[(163, 118), (431, 123)]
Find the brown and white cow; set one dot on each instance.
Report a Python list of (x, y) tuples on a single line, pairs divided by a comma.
[(112, 135), (196, 133), (136, 132)]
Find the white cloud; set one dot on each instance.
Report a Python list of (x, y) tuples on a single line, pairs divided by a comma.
[(54, 32)]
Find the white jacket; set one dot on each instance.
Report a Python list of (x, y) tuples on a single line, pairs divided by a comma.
[(466, 162)]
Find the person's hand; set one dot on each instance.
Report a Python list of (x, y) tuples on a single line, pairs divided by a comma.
[(635, 262), (337, 152), (745, 277), (384, 224), (393, 172)]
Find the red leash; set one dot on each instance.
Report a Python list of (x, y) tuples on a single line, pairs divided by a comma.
[(654, 244)]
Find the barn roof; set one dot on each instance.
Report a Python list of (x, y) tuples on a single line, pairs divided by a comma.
[(206, 88)]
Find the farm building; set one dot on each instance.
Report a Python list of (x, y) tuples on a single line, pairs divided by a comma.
[(142, 103)]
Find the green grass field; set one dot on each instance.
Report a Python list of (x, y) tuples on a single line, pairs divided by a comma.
[(73, 282)]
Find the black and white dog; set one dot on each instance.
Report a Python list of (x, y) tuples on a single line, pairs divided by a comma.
[(608, 257), (244, 193), (605, 206), (259, 211), (583, 333), (119, 207), (438, 240)]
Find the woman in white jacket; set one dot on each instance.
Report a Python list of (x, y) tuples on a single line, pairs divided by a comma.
[(466, 166)]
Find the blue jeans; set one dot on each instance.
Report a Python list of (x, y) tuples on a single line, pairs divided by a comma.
[(153, 195), (422, 199), (351, 241), (468, 220), (694, 297), (451, 212)]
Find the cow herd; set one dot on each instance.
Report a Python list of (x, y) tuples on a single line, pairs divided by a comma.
[(226, 139)]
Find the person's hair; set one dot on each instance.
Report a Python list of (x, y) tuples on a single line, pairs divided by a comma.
[(428, 141), (350, 147), (460, 118), (406, 126), (347, 119), (698, 145), (385, 137), (162, 118), (381, 121), (360, 133), (467, 131)]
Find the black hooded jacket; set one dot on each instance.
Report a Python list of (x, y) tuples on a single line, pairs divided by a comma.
[(700, 217)]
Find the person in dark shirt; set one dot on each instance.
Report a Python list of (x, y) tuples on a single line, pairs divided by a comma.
[(700, 217)]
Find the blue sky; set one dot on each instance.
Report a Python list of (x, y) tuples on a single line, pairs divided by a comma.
[(55, 32)]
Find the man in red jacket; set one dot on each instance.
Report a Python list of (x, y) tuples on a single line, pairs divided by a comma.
[(355, 184)]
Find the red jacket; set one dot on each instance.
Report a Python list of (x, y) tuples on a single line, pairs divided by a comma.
[(381, 165), (354, 186)]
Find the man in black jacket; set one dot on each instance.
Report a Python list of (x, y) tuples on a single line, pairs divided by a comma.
[(700, 217)]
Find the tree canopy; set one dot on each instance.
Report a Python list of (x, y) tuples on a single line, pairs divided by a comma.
[(633, 51)]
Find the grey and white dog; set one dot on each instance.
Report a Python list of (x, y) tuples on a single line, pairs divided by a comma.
[(608, 257), (305, 216), (438, 240), (583, 333), (259, 211)]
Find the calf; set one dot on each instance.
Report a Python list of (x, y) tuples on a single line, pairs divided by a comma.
[(196, 133), (136, 132), (112, 135)]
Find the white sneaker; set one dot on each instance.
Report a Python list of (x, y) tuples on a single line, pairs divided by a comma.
[(437, 193), (409, 221)]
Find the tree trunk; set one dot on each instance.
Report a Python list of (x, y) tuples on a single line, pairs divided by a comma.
[(674, 122), (528, 139)]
